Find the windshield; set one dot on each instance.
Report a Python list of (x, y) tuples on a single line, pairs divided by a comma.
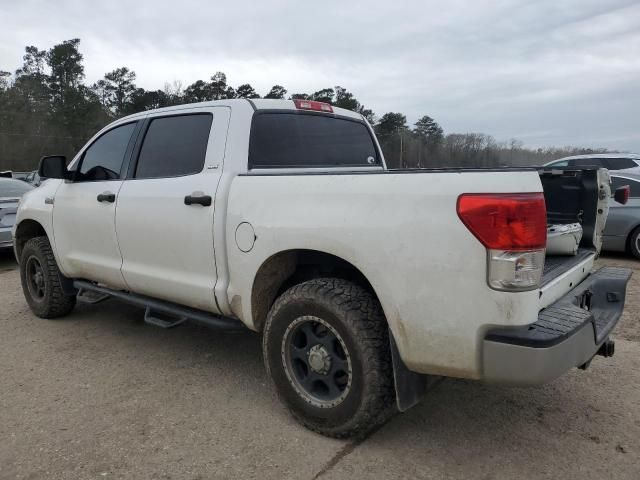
[(13, 188)]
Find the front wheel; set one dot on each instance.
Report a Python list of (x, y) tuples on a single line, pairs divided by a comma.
[(634, 243), (40, 279), (326, 348)]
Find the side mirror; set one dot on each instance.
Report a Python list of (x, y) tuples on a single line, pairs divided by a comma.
[(622, 194), (53, 166)]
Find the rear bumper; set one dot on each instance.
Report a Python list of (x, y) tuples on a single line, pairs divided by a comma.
[(566, 335)]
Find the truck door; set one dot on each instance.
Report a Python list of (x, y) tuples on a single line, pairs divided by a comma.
[(84, 209), (165, 211)]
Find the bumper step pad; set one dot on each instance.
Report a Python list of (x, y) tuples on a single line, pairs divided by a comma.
[(598, 300)]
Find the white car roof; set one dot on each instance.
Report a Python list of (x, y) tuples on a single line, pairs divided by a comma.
[(633, 156)]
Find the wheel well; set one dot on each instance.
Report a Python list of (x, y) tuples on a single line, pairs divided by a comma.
[(629, 237), (27, 230), (285, 269)]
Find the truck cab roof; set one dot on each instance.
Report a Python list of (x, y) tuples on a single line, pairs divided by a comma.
[(255, 104)]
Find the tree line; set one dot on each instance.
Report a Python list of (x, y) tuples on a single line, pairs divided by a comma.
[(46, 107)]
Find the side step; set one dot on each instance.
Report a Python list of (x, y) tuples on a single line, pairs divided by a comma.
[(91, 297), (177, 314)]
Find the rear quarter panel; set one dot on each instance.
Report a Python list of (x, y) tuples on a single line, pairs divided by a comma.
[(401, 230)]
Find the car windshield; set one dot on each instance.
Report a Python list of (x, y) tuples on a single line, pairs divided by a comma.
[(13, 188)]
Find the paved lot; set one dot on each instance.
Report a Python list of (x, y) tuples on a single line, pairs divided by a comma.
[(101, 395)]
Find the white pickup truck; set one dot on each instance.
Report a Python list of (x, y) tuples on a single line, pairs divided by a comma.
[(366, 284)]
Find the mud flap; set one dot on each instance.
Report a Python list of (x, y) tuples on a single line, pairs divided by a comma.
[(410, 386)]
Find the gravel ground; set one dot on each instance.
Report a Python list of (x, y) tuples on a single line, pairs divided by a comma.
[(101, 395)]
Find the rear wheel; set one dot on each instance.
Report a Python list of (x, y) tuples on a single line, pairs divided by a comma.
[(634, 243), (40, 279), (326, 348)]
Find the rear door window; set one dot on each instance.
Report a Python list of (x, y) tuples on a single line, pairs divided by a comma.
[(174, 146), (285, 140), (587, 162), (617, 182), (619, 163)]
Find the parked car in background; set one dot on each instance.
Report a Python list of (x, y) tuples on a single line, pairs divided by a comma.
[(10, 193), (33, 178), (628, 162), (622, 230)]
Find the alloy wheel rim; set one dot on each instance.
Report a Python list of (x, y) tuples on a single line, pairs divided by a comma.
[(35, 278), (316, 361)]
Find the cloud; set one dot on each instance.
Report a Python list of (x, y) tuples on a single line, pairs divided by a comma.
[(548, 72)]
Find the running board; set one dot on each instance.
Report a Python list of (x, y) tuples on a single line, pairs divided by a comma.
[(152, 318), (91, 297), (178, 313)]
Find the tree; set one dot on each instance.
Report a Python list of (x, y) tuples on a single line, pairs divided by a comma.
[(33, 62), (246, 91), (65, 61), (391, 123), (198, 91), (345, 99), (277, 91), (299, 96), (325, 95), (219, 89), (120, 86), (428, 130), (5, 79)]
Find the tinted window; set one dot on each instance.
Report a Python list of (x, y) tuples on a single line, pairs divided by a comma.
[(103, 159), (617, 182), (13, 188), (619, 163), (174, 146), (587, 162), (299, 140), (562, 163)]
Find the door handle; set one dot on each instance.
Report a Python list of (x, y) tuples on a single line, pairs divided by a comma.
[(107, 197), (204, 200)]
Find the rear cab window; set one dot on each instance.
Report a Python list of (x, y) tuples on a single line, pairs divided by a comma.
[(306, 140)]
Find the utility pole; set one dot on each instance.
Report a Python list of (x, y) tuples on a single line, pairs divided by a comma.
[(401, 162)]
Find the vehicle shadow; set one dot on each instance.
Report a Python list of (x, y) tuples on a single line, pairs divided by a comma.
[(7, 260)]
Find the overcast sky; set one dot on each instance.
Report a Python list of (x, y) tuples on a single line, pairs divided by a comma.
[(547, 72)]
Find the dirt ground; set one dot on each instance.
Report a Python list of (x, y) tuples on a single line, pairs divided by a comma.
[(99, 394)]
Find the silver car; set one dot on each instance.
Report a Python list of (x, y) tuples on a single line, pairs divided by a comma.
[(622, 231), (10, 192), (623, 162)]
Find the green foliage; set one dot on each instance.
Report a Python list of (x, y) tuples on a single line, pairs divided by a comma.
[(391, 123), (428, 130), (325, 95), (277, 92), (119, 87), (45, 108), (246, 91)]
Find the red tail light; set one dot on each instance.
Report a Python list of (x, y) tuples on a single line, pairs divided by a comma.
[(621, 194), (505, 221), (312, 105)]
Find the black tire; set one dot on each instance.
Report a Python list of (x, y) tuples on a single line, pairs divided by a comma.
[(40, 279), (634, 243), (358, 392)]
